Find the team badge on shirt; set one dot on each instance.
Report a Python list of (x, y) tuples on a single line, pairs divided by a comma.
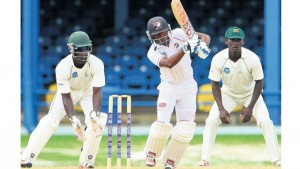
[(74, 74), (226, 70), (164, 54), (176, 45)]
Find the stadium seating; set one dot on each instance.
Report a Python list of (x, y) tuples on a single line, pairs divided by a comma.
[(124, 51)]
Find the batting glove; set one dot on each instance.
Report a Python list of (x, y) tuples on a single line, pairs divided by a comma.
[(203, 50), (78, 129), (191, 46), (98, 122)]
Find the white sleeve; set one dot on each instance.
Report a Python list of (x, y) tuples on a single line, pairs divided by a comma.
[(154, 56), (62, 78), (215, 71), (98, 74), (257, 71), (179, 34)]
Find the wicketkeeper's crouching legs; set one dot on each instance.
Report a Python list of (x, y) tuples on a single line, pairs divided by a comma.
[(92, 143), (38, 138)]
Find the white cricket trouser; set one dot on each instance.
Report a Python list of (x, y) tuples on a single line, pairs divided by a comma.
[(180, 96), (260, 113), (49, 123)]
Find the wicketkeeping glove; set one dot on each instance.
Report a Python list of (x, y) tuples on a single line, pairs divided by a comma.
[(191, 46), (98, 122), (203, 50), (78, 129)]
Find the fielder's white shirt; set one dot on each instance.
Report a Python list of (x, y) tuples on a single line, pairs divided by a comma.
[(238, 77), (69, 78), (182, 71)]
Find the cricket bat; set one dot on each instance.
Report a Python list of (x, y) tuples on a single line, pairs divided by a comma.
[(183, 19)]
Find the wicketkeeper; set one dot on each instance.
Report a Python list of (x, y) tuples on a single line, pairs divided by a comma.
[(79, 78)]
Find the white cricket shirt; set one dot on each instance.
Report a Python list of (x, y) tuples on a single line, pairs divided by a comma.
[(238, 78), (182, 71), (69, 78)]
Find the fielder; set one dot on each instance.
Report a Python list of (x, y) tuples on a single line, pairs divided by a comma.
[(242, 75), (79, 78), (170, 51)]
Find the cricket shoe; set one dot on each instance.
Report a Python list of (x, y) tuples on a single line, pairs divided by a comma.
[(169, 166), (86, 165), (26, 164), (277, 163), (204, 163), (150, 160)]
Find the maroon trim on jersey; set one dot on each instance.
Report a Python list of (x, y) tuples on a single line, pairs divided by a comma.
[(179, 39)]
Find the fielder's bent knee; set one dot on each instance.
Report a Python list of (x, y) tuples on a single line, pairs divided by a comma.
[(51, 120), (265, 123), (213, 121)]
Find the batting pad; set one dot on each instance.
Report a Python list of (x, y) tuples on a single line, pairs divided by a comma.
[(40, 136), (158, 137), (182, 134), (90, 146)]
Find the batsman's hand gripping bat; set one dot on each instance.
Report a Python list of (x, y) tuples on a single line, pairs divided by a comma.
[(183, 19), (186, 25)]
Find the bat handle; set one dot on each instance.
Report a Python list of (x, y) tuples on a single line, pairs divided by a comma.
[(195, 36)]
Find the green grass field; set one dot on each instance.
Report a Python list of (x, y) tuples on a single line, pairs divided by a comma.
[(230, 151)]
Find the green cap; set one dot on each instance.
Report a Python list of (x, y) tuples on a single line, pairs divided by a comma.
[(80, 39), (234, 33)]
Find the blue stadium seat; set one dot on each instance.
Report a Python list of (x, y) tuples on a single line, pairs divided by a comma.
[(45, 41), (127, 61), (62, 40), (118, 40), (132, 50), (112, 50), (140, 42), (135, 22), (106, 59), (52, 30), (127, 31), (134, 81), (112, 80), (154, 82)]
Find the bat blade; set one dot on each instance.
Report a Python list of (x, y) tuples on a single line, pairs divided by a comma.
[(182, 18)]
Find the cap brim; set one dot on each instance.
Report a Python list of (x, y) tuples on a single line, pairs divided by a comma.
[(235, 37), (84, 45)]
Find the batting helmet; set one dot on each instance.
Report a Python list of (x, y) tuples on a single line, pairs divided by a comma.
[(155, 26), (80, 45)]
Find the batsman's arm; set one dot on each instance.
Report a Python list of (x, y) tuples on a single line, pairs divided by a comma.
[(204, 37), (169, 62)]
